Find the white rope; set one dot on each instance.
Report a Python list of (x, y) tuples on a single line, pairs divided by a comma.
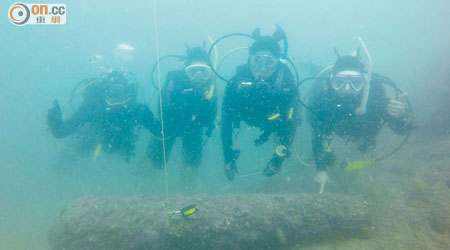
[(248, 175), (160, 105)]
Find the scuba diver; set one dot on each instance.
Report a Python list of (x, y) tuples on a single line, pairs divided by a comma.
[(189, 105), (263, 93), (110, 108), (351, 102)]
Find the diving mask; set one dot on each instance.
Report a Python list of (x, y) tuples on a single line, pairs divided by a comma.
[(263, 64), (344, 80), (117, 94), (198, 72)]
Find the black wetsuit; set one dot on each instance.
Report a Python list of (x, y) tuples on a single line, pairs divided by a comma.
[(187, 109), (111, 126), (331, 114), (271, 105)]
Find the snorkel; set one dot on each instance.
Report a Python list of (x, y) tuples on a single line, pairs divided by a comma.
[(361, 110), (215, 54), (285, 43)]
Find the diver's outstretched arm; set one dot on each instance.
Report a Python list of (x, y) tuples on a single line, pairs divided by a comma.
[(322, 156), (60, 128), (323, 159), (398, 117), (211, 117), (147, 119), (226, 131)]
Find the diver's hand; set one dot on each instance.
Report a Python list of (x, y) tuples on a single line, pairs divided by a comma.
[(322, 178), (54, 114), (396, 109), (230, 169), (274, 166), (208, 133)]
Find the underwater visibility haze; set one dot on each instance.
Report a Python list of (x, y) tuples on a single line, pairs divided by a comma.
[(164, 181)]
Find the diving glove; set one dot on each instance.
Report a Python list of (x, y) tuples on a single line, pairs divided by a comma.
[(230, 169), (396, 109), (273, 166), (262, 139), (209, 131), (54, 115)]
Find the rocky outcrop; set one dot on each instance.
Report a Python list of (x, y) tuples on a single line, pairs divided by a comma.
[(251, 221)]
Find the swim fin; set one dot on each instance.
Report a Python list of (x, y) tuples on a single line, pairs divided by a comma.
[(358, 165)]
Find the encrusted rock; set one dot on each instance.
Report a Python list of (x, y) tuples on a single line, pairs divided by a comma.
[(250, 221)]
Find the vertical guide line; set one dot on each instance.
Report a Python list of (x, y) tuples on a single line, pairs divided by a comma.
[(160, 105)]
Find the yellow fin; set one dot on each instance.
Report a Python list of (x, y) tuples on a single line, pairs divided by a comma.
[(358, 165)]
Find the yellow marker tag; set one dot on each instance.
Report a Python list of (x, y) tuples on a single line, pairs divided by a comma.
[(291, 112), (275, 116), (329, 149), (358, 165), (189, 211)]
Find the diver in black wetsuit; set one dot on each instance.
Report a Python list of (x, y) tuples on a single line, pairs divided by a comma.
[(110, 108), (335, 109), (189, 104), (264, 94)]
